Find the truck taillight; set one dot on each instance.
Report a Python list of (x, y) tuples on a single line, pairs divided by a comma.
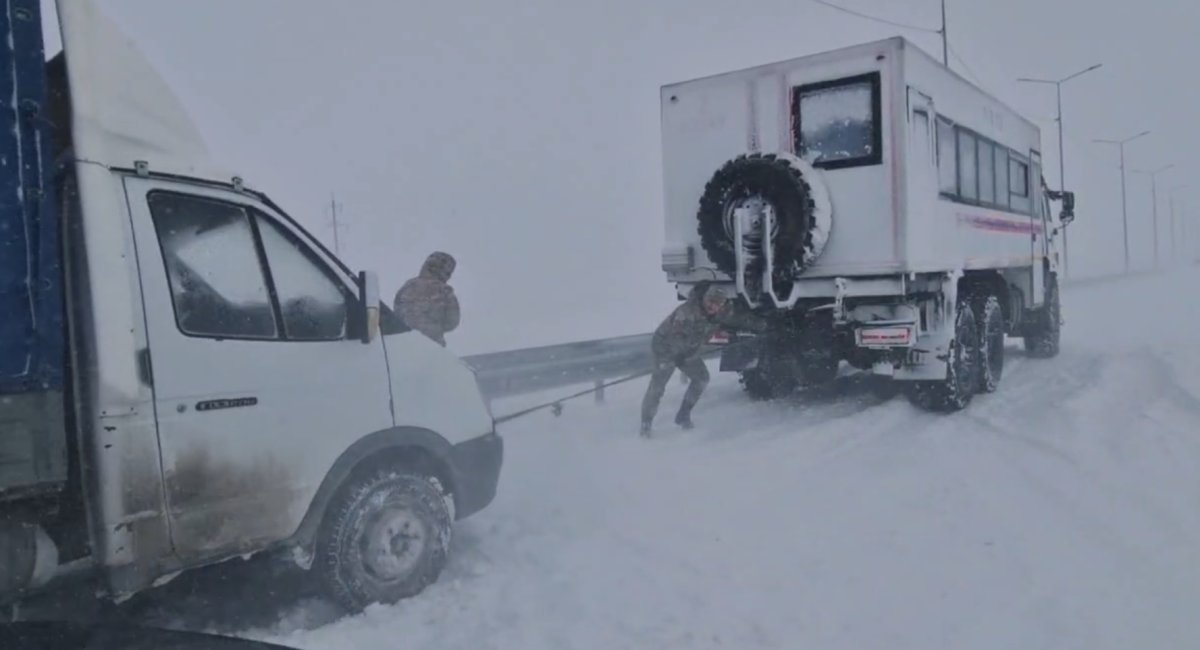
[(719, 338)]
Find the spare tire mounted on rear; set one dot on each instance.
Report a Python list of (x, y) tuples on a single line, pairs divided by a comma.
[(757, 184)]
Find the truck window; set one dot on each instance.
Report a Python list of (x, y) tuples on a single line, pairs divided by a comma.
[(313, 305), (217, 284), (1018, 179), (837, 123), (968, 171), (947, 158), (1001, 176), (987, 173)]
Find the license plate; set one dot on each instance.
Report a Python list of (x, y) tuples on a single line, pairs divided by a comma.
[(885, 337)]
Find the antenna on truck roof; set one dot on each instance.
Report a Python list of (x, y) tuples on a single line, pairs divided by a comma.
[(885, 21)]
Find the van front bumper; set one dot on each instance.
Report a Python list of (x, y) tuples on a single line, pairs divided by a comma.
[(476, 464)]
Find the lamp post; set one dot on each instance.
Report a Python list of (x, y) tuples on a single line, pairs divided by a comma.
[(1124, 203), (1153, 174), (1174, 232), (1062, 174)]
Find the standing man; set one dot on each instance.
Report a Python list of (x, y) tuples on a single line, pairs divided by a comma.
[(427, 303), (676, 344)]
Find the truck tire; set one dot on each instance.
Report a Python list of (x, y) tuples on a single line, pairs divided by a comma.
[(954, 392), (1043, 334), (385, 537), (989, 316), (769, 380), (818, 350), (801, 211)]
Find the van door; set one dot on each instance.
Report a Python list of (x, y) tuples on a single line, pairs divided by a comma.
[(921, 167), (258, 385), (1040, 231)]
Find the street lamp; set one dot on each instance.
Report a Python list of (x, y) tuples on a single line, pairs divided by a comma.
[(1124, 204), (1062, 180), (1178, 188), (1153, 174)]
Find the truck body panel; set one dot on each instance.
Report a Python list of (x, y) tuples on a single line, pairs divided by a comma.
[(709, 121), (891, 213), (963, 233)]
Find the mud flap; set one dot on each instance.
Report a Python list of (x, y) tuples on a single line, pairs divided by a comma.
[(740, 355)]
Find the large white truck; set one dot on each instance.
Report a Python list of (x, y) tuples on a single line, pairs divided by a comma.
[(186, 375), (876, 207)]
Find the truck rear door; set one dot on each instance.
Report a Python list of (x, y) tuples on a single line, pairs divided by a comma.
[(257, 381)]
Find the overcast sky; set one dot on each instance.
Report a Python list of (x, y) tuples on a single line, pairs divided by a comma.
[(523, 135)]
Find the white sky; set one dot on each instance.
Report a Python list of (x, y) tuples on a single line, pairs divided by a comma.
[(523, 136)]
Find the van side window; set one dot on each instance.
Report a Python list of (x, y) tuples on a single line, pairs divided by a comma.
[(217, 284), (313, 305)]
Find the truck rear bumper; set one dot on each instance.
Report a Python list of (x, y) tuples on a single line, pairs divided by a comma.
[(476, 466)]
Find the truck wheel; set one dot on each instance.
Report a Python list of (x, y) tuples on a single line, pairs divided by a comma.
[(883, 388), (1044, 332), (780, 182), (769, 381), (962, 375), (990, 352), (818, 350), (385, 537)]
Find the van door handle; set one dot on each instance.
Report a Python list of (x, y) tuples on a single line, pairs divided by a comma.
[(145, 367)]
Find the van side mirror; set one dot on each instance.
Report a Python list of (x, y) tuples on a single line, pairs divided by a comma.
[(1067, 213), (368, 305)]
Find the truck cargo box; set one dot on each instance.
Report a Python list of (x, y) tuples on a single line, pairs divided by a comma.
[(32, 430), (912, 160)]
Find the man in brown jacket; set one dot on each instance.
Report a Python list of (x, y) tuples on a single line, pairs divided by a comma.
[(427, 303), (677, 342)]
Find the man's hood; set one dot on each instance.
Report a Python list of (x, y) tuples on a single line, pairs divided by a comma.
[(439, 266)]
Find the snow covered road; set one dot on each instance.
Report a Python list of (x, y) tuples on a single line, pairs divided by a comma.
[(1061, 512)]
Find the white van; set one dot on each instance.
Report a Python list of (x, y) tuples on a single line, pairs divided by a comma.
[(230, 386), (876, 207)]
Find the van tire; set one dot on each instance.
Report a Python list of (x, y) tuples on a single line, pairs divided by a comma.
[(783, 186), (989, 316), (1043, 333), (954, 392), (385, 537)]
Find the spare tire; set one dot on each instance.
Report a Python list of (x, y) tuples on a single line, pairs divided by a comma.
[(786, 185)]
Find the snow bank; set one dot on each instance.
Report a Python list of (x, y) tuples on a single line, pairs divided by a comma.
[(1058, 513)]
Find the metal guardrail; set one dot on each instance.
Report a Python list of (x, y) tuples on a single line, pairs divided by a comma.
[(516, 372)]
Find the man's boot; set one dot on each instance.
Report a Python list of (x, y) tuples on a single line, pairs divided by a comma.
[(684, 417), (646, 425)]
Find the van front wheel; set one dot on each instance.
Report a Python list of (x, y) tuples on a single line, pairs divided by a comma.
[(386, 537)]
